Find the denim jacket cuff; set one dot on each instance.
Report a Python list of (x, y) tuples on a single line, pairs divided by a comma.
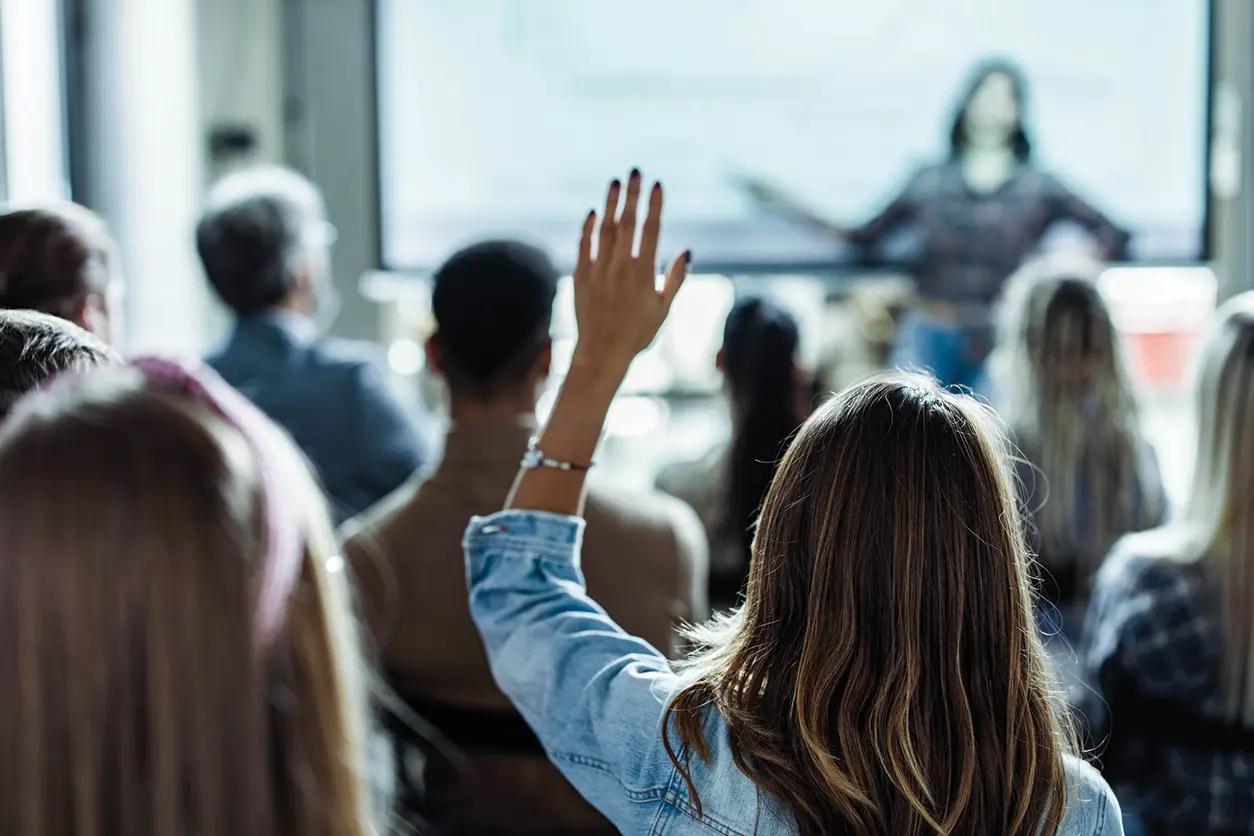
[(526, 534)]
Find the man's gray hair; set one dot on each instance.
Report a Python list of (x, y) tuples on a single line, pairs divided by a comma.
[(255, 223)]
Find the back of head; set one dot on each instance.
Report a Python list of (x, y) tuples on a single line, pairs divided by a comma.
[(760, 345), (142, 694), (493, 305), (1063, 390), (36, 347), (53, 257), (884, 675), (1216, 519), (255, 226)]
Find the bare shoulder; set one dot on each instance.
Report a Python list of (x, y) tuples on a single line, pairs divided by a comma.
[(385, 512), (649, 512), (693, 480), (1092, 809)]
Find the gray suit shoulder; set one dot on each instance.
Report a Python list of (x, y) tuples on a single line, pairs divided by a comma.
[(347, 355)]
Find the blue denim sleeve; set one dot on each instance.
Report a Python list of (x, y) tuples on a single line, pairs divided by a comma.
[(594, 695), (1092, 809)]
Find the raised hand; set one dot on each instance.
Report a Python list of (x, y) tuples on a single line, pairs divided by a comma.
[(618, 307)]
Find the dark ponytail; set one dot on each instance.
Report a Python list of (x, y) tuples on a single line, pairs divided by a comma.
[(760, 342)]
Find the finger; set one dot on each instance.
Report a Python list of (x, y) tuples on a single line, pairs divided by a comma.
[(680, 268), (583, 263), (652, 227), (625, 235), (609, 221)]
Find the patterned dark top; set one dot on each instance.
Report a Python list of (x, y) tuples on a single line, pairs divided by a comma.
[(1154, 621), (971, 242)]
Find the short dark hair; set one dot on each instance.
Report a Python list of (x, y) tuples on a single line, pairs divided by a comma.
[(254, 223), (51, 257), (36, 347), (493, 305)]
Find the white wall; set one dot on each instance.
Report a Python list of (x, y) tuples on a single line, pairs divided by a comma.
[(331, 137), (240, 62), (159, 75), (240, 65), (1232, 208), (143, 171)]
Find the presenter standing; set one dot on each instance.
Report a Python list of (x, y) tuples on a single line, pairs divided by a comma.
[(979, 213)]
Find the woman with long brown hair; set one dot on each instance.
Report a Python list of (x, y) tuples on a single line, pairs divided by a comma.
[(1087, 474), (882, 677), (179, 658)]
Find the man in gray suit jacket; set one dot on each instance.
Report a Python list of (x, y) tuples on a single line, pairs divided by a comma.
[(266, 246)]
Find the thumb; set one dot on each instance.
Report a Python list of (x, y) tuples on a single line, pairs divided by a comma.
[(675, 276)]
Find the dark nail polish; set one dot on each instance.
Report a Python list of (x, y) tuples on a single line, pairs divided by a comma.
[(635, 174), (687, 259), (657, 187), (614, 184)]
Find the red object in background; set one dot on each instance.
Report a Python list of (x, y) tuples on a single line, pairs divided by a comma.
[(1162, 314), (1161, 359)]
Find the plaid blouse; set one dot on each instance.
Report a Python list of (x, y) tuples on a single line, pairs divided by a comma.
[(970, 243), (1153, 622)]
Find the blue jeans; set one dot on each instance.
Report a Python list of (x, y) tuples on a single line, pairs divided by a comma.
[(954, 353)]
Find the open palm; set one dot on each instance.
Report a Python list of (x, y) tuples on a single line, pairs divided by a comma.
[(618, 307)]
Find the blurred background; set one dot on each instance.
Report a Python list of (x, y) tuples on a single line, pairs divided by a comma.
[(430, 123)]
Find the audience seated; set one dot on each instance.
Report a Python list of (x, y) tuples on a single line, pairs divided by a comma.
[(882, 676), (644, 556), (1087, 475), (36, 347), (767, 396), (180, 654), (266, 247), (61, 260), (1169, 636)]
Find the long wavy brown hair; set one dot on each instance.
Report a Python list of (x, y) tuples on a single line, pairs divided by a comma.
[(135, 697), (884, 675)]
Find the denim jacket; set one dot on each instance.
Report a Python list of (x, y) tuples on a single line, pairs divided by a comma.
[(596, 696)]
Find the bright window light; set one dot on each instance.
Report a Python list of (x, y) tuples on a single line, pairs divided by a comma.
[(34, 123)]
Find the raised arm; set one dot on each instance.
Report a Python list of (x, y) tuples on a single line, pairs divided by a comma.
[(900, 211), (618, 311), (779, 201), (594, 695)]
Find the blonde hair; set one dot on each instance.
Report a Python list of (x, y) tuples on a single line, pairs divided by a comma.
[(883, 675), (1065, 395), (137, 695), (1215, 527)]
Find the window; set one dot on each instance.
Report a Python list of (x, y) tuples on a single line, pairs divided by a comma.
[(32, 119)]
